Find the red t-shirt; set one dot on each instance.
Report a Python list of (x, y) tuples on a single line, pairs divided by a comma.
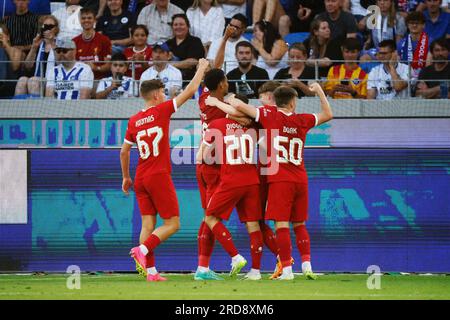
[(150, 130), (138, 68), (236, 147), (207, 115), (288, 144), (96, 49)]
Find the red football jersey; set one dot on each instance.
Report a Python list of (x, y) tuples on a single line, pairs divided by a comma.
[(138, 69), (235, 145), (287, 144), (150, 130), (207, 115), (96, 49)]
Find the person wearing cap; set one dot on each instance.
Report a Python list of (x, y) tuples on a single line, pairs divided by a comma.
[(69, 80), (118, 86), (161, 69)]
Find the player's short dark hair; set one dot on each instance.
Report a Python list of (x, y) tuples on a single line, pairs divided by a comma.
[(269, 86), (351, 44), (244, 44), (140, 26), (119, 56), (283, 95), (415, 16), (182, 16), (442, 42), (241, 97), (148, 86), (241, 18), (87, 10), (388, 44), (213, 78)]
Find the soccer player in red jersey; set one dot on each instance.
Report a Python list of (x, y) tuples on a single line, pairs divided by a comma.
[(234, 147), (288, 184), (154, 188), (208, 175), (93, 48)]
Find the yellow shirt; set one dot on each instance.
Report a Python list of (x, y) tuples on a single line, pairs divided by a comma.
[(356, 78)]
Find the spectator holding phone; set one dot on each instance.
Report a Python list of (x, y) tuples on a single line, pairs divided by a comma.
[(348, 80), (118, 86)]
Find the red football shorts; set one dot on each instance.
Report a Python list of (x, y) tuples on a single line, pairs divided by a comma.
[(156, 194), (246, 199), (287, 201), (263, 192), (207, 183)]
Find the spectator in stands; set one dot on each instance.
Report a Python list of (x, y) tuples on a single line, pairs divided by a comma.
[(186, 49), (298, 73), (231, 8), (342, 24), (271, 48), (414, 47), (39, 7), (347, 80), (390, 25), (97, 6), (162, 70), (299, 15), (356, 8), (40, 59), (207, 21), (247, 77), (118, 86), (22, 26), (182, 4), (407, 6), (157, 17), (429, 86), (70, 80), (238, 24), (388, 80), (10, 59), (93, 47), (437, 21), (269, 10), (140, 53), (322, 50), (116, 25), (69, 19)]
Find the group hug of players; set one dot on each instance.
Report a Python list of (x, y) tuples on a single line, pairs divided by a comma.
[(275, 188)]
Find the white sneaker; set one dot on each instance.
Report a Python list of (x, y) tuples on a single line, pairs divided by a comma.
[(252, 276), (286, 276)]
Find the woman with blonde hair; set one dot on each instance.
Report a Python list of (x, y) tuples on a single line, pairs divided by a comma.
[(40, 58), (207, 20)]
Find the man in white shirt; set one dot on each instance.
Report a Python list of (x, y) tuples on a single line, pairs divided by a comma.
[(157, 17), (69, 19), (239, 23), (70, 80), (389, 80), (161, 69), (118, 86)]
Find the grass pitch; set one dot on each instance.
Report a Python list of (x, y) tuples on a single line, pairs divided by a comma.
[(182, 286)]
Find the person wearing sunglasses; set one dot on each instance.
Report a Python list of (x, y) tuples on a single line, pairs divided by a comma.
[(69, 80), (118, 86), (40, 59)]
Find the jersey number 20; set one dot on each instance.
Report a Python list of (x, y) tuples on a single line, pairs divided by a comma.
[(143, 146)]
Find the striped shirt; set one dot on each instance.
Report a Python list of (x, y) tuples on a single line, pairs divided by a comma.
[(357, 79), (68, 83), (22, 28)]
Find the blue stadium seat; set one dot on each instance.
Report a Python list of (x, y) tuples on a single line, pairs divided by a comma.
[(296, 37)]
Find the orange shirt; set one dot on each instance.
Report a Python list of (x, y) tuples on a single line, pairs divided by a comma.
[(356, 78)]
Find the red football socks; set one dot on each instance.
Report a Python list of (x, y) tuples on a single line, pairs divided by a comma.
[(269, 238), (150, 260), (303, 243), (256, 244), (151, 243), (224, 237), (284, 245), (205, 242)]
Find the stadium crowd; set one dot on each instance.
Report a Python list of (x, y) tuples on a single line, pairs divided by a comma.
[(399, 50)]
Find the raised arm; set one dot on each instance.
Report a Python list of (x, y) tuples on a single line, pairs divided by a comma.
[(220, 56), (246, 109), (192, 87), (225, 107), (326, 114)]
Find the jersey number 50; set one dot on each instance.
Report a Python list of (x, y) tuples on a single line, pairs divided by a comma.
[(291, 155), (143, 146)]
